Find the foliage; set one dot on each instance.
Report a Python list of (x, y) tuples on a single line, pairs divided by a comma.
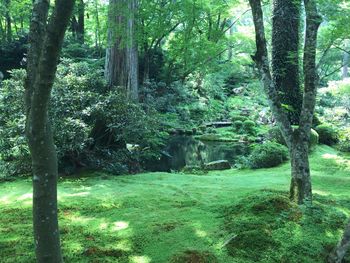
[(274, 134), (270, 228), (328, 134), (269, 154), (249, 127), (91, 126)]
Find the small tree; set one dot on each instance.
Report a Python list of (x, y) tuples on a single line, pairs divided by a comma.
[(45, 38), (298, 139)]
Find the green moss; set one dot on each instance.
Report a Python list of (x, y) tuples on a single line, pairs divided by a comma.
[(193, 256), (157, 217)]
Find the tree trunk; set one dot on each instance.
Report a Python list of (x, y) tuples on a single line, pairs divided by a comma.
[(340, 251), (345, 70), (300, 187), (121, 67), (285, 55), (45, 45), (132, 54), (231, 32), (115, 66), (81, 22), (8, 21), (297, 141)]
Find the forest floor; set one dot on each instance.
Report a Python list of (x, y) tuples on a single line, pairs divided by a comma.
[(223, 216)]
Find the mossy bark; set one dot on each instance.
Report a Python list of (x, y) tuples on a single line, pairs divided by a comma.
[(285, 55), (297, 140)]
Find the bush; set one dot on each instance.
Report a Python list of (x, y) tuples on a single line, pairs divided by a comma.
[(237, 126), (268, 155), (91, 127), (328, 134), (249, 127), (274, 134)]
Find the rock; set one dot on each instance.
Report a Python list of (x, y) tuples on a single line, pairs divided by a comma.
[(238, 91), (217, 165)]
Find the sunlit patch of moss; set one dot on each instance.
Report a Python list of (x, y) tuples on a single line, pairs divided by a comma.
[(157, 217)]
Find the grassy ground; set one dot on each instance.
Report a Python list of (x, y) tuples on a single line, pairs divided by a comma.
[(230, 216)]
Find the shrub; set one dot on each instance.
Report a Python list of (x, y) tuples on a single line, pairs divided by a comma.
[(91, 127), (274, 134), (237, 117), (249, 127), (237, 126), (268, 155), (328, 134)]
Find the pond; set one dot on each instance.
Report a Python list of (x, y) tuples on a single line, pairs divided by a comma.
[(184, 151)]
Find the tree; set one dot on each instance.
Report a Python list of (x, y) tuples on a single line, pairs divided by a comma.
[(297, 139), (121, 68), (78, 25), (8, 21), (45, 38), (285, 55), (339, 252)]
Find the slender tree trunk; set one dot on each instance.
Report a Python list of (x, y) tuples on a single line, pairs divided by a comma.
[(81, 22), (345, 69), (231, 32), (8, 21), (97, 26), (45, 45), (132, 54)]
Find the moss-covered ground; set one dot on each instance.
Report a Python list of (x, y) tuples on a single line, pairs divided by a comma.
[(229, 216)]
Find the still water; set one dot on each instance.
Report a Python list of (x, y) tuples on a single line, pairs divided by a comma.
[(184, 151)]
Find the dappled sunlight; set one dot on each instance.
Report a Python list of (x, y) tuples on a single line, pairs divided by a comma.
[(79, 219), (124, 245), (140, 259), (120, 225), (200, 233), (340, 162), (25, 196), (77, 194)]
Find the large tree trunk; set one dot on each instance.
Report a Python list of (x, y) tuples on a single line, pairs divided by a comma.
[(285, 55), (45, 45), (340, 251), (300, 187), (121, 68), (297, 141)]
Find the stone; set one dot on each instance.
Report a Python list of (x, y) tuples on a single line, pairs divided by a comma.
[(217, 165)]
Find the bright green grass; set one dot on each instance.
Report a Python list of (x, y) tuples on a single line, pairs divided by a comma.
[(155, 217)]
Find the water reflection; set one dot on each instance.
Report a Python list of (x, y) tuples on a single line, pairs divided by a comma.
[(184, 151)]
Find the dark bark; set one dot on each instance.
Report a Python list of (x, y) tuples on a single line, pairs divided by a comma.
[(8, 21), (81, 22), (285, 55), (298, 140), (340, 251), (45, 45)]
